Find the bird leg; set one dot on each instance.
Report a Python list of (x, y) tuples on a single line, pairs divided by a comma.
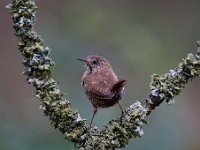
[(120, 106), (94, 113), (121, 110)]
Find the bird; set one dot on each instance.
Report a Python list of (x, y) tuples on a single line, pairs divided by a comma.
[(101, 84)]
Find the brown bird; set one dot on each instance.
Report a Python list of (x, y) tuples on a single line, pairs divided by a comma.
[(100, 83)]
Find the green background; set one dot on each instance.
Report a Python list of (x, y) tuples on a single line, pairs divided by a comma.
[(138, 37)]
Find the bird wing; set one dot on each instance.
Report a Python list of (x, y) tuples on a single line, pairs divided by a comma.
[(98, 89), (100, 86)]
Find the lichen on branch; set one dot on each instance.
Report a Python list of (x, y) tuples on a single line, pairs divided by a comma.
[(116, 134), (38, 70)]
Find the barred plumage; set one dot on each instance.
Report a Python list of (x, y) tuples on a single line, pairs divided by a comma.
[(100, 83)]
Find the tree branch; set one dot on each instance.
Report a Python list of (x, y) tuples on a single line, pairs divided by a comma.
[(38, 69)]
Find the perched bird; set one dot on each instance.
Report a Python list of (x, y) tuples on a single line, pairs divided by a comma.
[(100, 83)]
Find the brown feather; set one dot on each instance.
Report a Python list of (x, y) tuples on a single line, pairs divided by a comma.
[(100, 83)]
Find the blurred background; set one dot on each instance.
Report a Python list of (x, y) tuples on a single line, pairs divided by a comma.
[(138, 37)]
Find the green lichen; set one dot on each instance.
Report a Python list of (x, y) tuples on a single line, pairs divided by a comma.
[(169, 85), (116, 134), (38, 70)]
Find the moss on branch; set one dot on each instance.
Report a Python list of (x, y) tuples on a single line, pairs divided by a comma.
[(116, 134)]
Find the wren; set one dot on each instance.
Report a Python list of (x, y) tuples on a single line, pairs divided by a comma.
[(100, 83)]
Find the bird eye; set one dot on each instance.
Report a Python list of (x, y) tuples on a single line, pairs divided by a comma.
[(94, 62)]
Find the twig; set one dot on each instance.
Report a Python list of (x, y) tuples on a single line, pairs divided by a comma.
[(38, 69)]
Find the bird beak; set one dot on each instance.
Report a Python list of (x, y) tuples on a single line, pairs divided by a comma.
[(86, 62), (82, 59)]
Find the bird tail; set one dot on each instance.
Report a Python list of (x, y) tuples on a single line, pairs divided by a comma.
[(118, 86)]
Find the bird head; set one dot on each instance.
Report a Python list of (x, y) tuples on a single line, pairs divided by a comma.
[(95, 62)]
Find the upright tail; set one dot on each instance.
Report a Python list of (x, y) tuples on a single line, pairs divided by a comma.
[(117, 87)]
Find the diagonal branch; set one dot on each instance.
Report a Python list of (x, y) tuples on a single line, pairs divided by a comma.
[(38, 70)]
